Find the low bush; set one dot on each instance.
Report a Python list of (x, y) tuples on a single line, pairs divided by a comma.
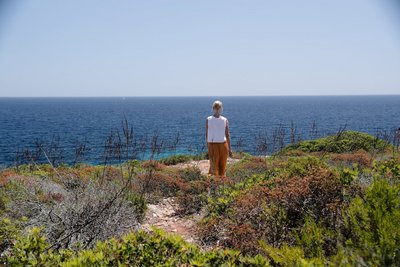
[(247, 167), (368, 234), (135, 249), (347, 141), (295, 153), (175, 159), (300, 166), (10, 229), (5, 176), (182, 158), (194, 198), (389, 168), (76, 211), (156, 184), (291, 256), (359, 157), (272, 206), (372, 225), (191, 173)]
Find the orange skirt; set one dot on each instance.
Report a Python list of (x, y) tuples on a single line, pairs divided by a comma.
[(218, 155)]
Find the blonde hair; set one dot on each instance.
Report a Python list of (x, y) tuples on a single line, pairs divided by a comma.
[(217, 105)]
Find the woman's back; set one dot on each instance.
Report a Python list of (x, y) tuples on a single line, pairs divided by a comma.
[(216, 129)]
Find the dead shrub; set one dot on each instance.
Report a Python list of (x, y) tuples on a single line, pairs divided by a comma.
[(243, 237), (5, 176), (360, 157), (191, 173), (193, 198), (156, 183), (51, 197), (75, 212), (153, 164), (210, 231), (295, 153)]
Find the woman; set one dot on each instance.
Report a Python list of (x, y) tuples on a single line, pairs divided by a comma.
[(218, 140)]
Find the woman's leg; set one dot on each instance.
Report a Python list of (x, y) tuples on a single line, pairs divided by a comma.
[(211, 157), (223, 158), (217, 158)]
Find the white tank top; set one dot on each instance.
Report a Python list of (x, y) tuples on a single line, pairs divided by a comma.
[(216, 129)]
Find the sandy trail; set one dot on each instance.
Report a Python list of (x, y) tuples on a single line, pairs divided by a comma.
[(203, 165), (163, 216)]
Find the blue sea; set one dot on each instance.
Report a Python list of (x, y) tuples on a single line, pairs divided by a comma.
[(60, 125)]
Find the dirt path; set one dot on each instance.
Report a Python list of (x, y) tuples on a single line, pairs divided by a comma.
[(164, 214), (203, 165)]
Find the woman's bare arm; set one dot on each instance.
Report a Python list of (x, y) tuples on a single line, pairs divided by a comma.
[(206, 130), (228, 138)]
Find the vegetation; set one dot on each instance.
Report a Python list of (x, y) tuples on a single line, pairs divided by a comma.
[(334, 201), (176, 159), (343, 141), (135, 249)]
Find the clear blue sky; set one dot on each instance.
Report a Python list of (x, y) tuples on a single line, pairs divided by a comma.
[(205, 47)]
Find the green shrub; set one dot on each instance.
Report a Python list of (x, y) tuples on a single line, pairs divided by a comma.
[(138, 203), (175, 159), (191, 173), (9, 230), (2, 206), (3, 202), (303, 166), (290, 256), (240, 155), (347, 141), (246, 167), (389, 168), (372, 225), (312, 237), (347, 175), (135, 249), (28, 250)]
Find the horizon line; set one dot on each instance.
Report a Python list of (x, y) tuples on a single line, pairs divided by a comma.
[(167, 96)]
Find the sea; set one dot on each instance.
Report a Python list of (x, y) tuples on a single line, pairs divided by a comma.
[(91, 129)]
